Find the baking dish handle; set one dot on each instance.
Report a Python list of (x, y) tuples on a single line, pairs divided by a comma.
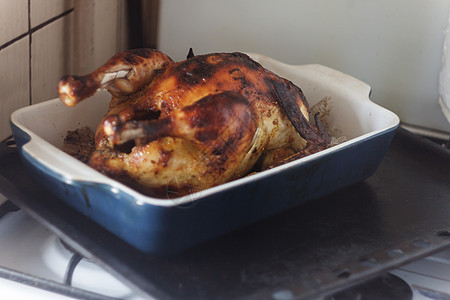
[(49, 159)]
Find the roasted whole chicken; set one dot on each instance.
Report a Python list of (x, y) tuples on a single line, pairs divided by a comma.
[(174, 128)]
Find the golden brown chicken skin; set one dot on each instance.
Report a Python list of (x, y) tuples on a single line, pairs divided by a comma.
[(194, 124)]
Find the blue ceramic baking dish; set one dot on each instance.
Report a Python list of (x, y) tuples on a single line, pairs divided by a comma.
[(164, 226)]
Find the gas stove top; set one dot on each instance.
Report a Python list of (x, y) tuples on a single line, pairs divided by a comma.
[(35, 263), (31, 255), (379, 235)]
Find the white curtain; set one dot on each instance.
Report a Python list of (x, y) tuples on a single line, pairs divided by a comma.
[(444, 78)]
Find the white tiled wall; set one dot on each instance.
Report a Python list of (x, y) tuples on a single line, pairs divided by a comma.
[(43, 10), (38, 45), (14, 81), (33, 52), (13, 19), (51, 50)]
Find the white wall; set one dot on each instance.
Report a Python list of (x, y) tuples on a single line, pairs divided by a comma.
[(393, 45), (41, 44)]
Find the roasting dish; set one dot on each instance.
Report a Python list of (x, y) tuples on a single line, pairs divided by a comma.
[(155, 225)]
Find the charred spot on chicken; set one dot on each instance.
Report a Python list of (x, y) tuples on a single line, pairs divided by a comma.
[(181, 127)]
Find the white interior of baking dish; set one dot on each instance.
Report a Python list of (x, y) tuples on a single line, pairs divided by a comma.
[(351, 112)]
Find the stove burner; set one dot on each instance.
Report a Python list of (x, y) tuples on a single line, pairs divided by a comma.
[(386, 286), (71, 250), (79, 272), (73, 262), (67, 246)]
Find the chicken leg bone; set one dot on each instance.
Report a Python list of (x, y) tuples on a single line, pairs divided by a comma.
[(123, 74)]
